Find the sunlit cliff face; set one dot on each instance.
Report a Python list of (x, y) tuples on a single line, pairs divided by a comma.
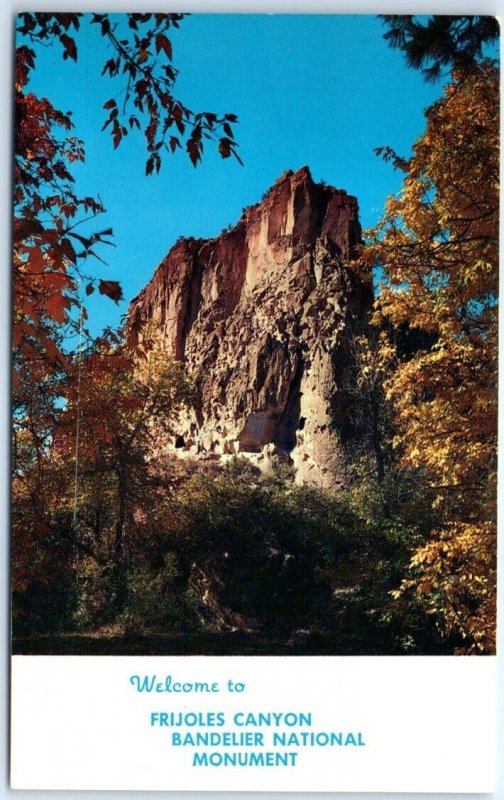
[(262, 316)]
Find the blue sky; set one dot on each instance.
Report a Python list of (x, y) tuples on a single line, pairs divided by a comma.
[(321, 90)]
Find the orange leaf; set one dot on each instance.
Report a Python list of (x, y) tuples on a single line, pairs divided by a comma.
[(55, 306), (112, 289)]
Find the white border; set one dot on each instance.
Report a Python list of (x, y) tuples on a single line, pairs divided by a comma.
[(7, 9), (413, 722)]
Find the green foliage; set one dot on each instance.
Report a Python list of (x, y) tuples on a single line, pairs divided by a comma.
[(94, 594), (153, 597), (441, 41), (238, 550), (43, 579), (395, 517), (263, 548)]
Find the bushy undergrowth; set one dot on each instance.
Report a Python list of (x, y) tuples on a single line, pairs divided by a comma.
[(237, 550)]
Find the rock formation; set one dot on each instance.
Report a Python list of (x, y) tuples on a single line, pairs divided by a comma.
[(263, 316)]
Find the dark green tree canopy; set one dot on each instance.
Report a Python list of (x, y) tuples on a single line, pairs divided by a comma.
[(439, 41)]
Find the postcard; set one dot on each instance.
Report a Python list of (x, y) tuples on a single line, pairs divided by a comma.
[(254, 402)]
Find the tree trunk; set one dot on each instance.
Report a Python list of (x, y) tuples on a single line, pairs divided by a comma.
[(376, 439), (120, 571)]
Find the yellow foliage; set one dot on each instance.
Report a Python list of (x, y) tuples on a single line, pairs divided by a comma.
[(437, 247)]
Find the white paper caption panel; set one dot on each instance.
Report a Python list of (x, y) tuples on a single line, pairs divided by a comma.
[(383, 724)]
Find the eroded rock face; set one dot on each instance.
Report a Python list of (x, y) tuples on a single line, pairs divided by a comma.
[(262, 316)]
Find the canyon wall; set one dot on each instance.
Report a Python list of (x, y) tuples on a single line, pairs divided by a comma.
[(263, 317)]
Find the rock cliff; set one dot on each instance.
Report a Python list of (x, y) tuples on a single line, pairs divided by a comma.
[(263, 316)]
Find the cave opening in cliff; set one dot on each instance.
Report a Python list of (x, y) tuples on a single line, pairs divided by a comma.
[(290, 421)]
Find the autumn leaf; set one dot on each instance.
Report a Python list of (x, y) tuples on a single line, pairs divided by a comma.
[(51, 349), (164, 44), (174, 143), (193, 148), (66, 249), (112, 289), (70, 47), (227, 130), (437, 245), (25, 228), (56, 305), (225, 147)]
